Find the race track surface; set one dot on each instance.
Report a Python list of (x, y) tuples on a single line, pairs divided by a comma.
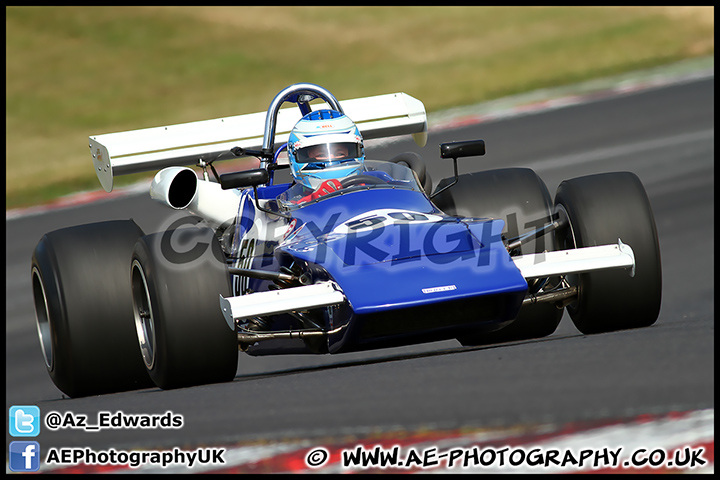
[(665, 135)]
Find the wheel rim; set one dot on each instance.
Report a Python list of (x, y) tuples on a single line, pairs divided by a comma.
[(42, 318), (142, 310)]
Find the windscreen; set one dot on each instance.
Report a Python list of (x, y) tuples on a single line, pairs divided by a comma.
[(389, 175)]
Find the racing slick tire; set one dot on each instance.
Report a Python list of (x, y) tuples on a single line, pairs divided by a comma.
[(601, 209), (83, 306), (521, 199), (183, 336)]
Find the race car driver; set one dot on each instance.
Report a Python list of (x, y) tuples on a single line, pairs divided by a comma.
[(324, 147)]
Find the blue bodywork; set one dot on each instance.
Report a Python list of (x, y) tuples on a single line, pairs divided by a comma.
[(409, 272)]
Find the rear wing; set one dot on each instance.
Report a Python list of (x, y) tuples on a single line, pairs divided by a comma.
[(155, 148)]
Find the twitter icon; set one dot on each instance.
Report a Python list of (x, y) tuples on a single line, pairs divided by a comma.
[(24, 421)]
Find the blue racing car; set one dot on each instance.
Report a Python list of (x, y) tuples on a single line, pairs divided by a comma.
[(350, 254)]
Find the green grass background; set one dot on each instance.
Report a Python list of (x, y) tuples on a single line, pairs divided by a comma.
[(72, 72)]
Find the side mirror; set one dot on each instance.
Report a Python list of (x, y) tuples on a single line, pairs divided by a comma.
[(455, 150), (470, 148), (247, 178)]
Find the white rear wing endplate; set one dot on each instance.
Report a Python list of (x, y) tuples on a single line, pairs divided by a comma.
[(155, 148)]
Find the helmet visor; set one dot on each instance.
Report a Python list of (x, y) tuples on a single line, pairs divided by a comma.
[(328, 152)]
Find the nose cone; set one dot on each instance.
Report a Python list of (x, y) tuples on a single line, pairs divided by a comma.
[(394, 259)]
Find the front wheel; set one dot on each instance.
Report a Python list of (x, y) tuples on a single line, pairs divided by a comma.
[(183, 336), (602, 209), (521, 199)]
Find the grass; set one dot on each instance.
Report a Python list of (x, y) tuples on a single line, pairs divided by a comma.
[(72, 72)]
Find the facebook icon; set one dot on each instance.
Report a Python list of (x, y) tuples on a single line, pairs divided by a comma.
[(24, 456)]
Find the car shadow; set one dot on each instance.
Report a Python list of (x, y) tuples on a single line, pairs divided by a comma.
[(397, 357)]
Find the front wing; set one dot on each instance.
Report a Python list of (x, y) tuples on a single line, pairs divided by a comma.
[(325, 294)]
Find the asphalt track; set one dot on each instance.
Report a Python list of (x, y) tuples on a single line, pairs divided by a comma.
[(665, 135)]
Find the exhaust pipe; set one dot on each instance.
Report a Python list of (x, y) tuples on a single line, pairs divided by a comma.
[(181, 189)]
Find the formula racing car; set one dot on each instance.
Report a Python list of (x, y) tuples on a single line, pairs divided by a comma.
[(349, 254)]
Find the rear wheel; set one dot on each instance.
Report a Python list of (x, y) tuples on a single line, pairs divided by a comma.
[(83, 305), (417, 165), (183, 336), (521, 199), (602, 209)]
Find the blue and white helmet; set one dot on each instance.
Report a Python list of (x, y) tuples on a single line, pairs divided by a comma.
[(324, 144)]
